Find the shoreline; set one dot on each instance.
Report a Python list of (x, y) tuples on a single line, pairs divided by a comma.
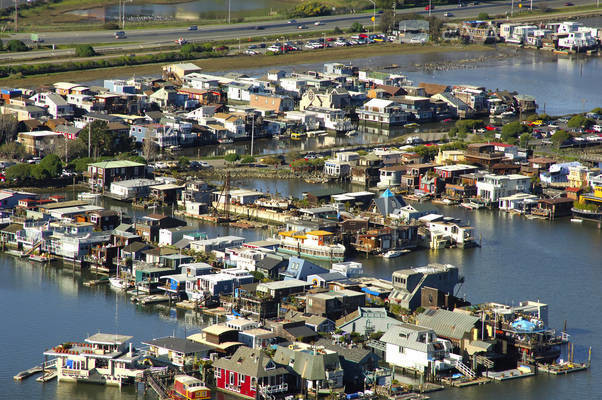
[(246, 62)]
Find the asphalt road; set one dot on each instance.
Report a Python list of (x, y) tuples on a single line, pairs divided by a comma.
[(244, 31)]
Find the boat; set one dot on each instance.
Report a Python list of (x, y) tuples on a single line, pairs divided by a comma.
[(273, 203), (88, 196), (577, 220), (392, 254), (411, 125), (298, 135), (119, 283), (225, 141), (352, 132), (312, 245), (190, 388), (103, 358), (174, 149), (473, 204)]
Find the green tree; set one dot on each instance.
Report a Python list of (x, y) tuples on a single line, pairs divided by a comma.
[(19, 172), (309, 9), (597, 110), (52, 165), (356, 27), (435, 27), (16, 46), (84, 50), (8, 128), (468, 125), (248, 159), (483, 16), (524, 139), (579, 121), (232, 157), (183, 162), (12, 150), (103, 141), (513, 130), (559, 137), (337, 30), (39, 173)]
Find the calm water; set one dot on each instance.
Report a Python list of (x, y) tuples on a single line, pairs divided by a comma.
[(557, 263)]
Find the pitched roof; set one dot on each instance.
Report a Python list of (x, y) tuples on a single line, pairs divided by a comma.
[(250, 362), (448, 324), (356, 355)]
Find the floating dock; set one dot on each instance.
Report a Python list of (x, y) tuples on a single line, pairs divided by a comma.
[(28, 372), (509, 374), (563, 368)]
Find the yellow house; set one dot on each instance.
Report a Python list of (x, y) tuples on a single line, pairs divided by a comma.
[(449, 157), (577, 176)]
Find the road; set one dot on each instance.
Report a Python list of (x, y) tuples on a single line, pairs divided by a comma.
[(244, 31)]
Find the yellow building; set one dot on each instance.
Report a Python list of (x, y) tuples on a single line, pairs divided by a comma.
[(449, 157)]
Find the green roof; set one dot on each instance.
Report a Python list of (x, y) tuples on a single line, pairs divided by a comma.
[(116, 164)]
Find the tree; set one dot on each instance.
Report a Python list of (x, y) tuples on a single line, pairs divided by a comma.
[(337, 30), (149, 147), (435, 26), (597, 110), (513, 130), (183, 162), (483, 16), (309, 9), (12, 150), (232, 157), (19, 172), (356, 27), (8, 128), (16, 46), (524, 139), (52, 165), (84, 50), (559, 137), (387, 21), (467, 125), (248, 159), (103, 141), (579, 121)]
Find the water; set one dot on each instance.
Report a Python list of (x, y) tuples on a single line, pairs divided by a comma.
[(537, 73), (187, 11), (555, 262)]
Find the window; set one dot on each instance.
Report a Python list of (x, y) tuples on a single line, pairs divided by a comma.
[(231, 378), (243, 378), (253, 382), (218, 372)]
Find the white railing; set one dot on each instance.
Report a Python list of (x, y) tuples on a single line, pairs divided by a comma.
[(283, 387)]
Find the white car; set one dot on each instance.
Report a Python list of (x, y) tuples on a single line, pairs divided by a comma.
[(251, 52), (274, 49), (317, 23), (340, 43)]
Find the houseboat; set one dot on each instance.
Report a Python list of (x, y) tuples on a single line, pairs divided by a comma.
[(313, 245), (190, 388), (103, 358)]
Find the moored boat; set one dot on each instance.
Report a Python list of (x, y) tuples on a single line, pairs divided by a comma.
[(88, 196), (190, 388)]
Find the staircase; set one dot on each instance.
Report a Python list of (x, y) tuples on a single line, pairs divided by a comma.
[(467, 372)]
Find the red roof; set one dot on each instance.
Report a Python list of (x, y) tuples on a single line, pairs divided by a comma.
[(573, 189), (502, 144)]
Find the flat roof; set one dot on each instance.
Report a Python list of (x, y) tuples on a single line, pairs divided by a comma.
[(217, 329), (108, 338), (116, 164)]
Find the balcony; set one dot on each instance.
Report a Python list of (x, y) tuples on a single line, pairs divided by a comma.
[(269, 389)]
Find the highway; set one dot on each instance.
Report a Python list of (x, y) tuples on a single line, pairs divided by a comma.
[(141, 38)]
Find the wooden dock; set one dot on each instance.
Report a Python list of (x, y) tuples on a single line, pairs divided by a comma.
[(28, 372), (48, 375), (562, 369)]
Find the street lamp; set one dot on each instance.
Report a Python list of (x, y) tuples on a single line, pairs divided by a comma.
[(373, 16)]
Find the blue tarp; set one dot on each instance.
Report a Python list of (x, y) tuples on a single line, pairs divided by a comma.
[(522, 325), (372, 292)]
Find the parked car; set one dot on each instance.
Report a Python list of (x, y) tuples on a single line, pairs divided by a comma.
[(250, 52), (429, 7)]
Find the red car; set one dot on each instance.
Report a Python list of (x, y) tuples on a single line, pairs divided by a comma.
[(363, 36), (429, 8), (491, 128)]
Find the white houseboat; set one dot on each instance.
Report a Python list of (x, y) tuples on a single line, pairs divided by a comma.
[(102, 358), (313, 245)]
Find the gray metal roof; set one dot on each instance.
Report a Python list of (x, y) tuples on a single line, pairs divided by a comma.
[(448, 324), (180, 345)]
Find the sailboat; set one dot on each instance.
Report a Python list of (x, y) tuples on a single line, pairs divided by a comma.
[(117, 282)]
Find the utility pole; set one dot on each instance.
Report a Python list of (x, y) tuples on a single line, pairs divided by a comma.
[(512, 9), (252, 133), (373, 16), (228, 11), (89, 139), (16, 15), (430, 7)]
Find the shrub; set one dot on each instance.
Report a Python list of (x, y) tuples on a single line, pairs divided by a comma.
[(84, 50), (483, 16), (232, 157), (579, 121), (16, 46), (513, 130), (248, 159), (337, 30), (467, 125), (309, 9), (110, 26), (356, 27)]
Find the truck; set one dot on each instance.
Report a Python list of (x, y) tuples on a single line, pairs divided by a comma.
[(35, 38)]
